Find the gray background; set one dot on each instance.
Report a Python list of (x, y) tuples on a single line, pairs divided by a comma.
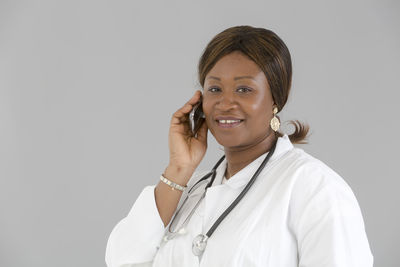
[(87, 89)]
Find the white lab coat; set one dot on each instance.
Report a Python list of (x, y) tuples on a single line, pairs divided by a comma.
[(299, 212)]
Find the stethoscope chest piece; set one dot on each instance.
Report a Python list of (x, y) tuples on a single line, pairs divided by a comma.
[(199, 244)]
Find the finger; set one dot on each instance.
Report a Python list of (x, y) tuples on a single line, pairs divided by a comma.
[(195, 98), (181, 114)]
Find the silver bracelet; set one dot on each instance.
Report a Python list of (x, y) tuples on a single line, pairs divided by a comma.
[(172, 184)]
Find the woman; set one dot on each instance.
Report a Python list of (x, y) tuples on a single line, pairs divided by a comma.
[(267, 203)]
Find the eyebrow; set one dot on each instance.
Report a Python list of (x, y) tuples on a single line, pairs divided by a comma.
[(236, 78)]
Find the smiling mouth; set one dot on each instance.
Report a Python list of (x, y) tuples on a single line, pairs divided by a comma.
[(228, 123)]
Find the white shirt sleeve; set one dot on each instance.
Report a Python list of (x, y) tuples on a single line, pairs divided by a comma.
[(134, 240), (327, 221)]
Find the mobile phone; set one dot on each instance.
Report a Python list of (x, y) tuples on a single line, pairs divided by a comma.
[(196, 117)]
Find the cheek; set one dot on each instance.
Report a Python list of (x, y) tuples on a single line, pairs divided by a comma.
[(207, 105), (259, 111), (206, 110), (258, 104)]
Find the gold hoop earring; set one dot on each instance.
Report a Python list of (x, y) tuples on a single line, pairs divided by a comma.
[(275, 121)]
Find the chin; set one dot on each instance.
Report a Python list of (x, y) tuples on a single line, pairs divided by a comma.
[(229, 141)]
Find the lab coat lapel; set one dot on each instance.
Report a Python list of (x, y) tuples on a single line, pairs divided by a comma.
[(216, 199)]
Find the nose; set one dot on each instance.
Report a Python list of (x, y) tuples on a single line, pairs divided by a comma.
[(226, 102)]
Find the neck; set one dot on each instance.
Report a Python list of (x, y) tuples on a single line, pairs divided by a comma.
[(239, 157)]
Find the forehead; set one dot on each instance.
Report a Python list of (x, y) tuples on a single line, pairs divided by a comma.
[(235, 64)]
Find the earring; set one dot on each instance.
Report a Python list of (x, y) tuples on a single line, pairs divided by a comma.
[(275, 121)]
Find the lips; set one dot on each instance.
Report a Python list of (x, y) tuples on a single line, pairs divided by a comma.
[(228, 121), (229, 125), (227, 118)]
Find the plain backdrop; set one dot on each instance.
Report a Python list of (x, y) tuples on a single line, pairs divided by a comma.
[(87, 90)]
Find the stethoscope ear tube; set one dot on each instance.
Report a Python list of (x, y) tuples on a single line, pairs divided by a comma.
[(212, 172), (170, 234), (241, 195), (200, 242)]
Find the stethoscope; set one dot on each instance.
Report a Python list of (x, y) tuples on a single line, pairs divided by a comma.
[(200, 241)]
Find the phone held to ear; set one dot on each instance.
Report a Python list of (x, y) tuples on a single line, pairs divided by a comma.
[(196, 117)]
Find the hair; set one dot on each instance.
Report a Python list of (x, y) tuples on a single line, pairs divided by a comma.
[(272, 56)]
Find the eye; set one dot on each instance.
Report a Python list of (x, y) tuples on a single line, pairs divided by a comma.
[(245, 89), (240, 89), (211, 89)]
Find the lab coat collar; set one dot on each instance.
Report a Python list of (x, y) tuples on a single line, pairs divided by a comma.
[(244, 175)]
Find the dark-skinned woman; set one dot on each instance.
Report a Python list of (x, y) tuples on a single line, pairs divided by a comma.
[(265, 202)]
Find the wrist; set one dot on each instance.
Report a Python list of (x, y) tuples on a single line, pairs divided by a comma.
[(178, 175)]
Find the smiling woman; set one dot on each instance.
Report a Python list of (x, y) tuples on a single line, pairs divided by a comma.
[(264, 54), (265, 202), (247, 100)]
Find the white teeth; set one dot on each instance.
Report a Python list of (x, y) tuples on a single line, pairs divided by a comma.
[(228, 121)]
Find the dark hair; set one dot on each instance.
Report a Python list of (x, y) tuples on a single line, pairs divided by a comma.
[(269, 52)]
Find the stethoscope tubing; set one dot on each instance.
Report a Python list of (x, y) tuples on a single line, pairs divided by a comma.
[(205, 177), (212, 172), (241, 195), (231, 206)]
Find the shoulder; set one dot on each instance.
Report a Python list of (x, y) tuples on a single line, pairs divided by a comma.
[(310, 174), (319, 192), (316, 187), (325, 216)]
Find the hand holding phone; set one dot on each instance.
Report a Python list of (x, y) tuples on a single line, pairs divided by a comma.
[(187, 150), (196, 117)]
